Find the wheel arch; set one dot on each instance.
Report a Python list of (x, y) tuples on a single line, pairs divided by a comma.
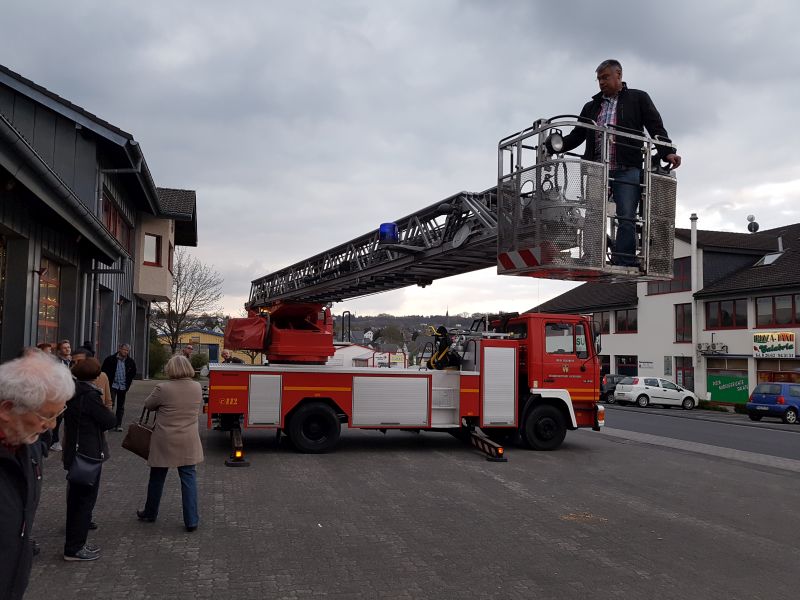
[(560, 399), (315, 400)]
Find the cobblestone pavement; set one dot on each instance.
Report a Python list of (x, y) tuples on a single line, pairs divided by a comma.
[(609, 515)]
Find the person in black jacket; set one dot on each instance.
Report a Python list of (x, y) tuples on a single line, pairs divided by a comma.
[(631, 111), (33, 390), (85, 421), (120, 370)]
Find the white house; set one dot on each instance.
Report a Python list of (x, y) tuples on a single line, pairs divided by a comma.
[(728, 320)]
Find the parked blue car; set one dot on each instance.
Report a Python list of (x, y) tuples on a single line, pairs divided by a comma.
[(775, 400)]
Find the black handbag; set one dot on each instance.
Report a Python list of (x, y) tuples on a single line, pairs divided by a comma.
[(84, 470)]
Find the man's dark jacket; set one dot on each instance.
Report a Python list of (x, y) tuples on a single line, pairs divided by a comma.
[(635, 110), (110, 369), (85, 420), (20, 485)]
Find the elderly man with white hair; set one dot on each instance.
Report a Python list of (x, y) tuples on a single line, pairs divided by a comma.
[(33, 394)]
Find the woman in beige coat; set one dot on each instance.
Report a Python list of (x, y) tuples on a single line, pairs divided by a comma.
[(176, 439)]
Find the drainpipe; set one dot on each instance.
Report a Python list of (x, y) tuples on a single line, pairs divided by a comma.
[(695, 288)]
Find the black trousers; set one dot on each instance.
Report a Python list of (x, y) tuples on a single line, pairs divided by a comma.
[(55, 433), (118, 398), (80, 504)]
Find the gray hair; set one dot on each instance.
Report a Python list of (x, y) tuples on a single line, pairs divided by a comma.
[(126, 346), (609, 63), (30, 381)]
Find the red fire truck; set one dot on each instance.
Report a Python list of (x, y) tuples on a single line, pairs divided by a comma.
[(537, 377), (529, 376)]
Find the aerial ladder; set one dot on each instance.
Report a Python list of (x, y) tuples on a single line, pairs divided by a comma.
[(549, 216)]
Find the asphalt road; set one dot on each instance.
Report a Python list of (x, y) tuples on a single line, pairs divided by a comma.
[(612, 515), (728, 431)]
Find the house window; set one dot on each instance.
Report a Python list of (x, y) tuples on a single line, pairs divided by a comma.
[(605, 364), (683, 322), (626, 321), (774, 311), (627, 365), (603, 321), (170, 256), (49, 285), (681, 282), (152, 249), (726, 314), (116, 223), (684, 372)]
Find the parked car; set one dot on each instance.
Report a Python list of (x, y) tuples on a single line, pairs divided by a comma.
[(645, 391), (608, 385), (775, 400)]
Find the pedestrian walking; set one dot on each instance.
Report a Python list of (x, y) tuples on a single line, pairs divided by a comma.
[(85, 421), (175, 442), (33, 392), (120, 369)]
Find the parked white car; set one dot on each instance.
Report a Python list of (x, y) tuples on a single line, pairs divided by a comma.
[(645, 391)]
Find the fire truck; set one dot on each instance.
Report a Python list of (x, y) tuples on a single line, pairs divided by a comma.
[(526, 378)]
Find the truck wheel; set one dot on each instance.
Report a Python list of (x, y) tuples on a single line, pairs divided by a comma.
[(315, 428), (544, 428)]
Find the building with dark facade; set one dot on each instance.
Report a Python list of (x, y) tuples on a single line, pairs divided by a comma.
[(86, 237)]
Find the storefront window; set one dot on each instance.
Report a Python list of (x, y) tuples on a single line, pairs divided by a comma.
[(627, 365), (49, 285), (684, 372)]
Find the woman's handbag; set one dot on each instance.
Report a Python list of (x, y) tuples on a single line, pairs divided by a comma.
[(84, 470), (137, 440)]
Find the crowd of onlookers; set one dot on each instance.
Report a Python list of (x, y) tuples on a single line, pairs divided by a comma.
[(63, 400)]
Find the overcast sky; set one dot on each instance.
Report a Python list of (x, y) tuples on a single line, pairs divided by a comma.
[(304, 125)]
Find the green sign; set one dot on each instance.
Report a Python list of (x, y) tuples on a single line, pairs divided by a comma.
[(727, 388)]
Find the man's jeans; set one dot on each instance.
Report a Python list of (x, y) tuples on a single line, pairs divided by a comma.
[(155, 487), (118, 400), (626, 192)]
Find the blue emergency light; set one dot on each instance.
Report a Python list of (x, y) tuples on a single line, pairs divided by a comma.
[(388, 234)]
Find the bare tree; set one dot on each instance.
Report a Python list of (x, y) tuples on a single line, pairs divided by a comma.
[(196, 289)]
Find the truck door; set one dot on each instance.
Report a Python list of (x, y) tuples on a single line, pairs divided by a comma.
[(565, 360)]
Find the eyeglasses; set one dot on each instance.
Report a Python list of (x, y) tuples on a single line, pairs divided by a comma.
[(50, 419)]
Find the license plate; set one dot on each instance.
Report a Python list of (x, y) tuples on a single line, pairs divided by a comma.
[(762, 407)]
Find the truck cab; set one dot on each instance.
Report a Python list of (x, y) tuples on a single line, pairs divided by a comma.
[(557, 353)]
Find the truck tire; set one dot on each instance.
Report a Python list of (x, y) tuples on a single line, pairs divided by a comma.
[(314, 428), (544, 428)]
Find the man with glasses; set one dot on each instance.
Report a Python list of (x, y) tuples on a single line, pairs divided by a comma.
[(33, 394)]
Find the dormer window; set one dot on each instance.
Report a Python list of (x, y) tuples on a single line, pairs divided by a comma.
[(768, 259)]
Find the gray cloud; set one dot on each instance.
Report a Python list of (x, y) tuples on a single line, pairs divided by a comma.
[(302, 126)]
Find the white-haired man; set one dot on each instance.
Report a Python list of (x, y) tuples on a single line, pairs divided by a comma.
[(33, 394)]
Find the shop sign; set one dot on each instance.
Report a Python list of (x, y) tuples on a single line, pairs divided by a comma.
[(645, 364), (727, 388), (773, 344)]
